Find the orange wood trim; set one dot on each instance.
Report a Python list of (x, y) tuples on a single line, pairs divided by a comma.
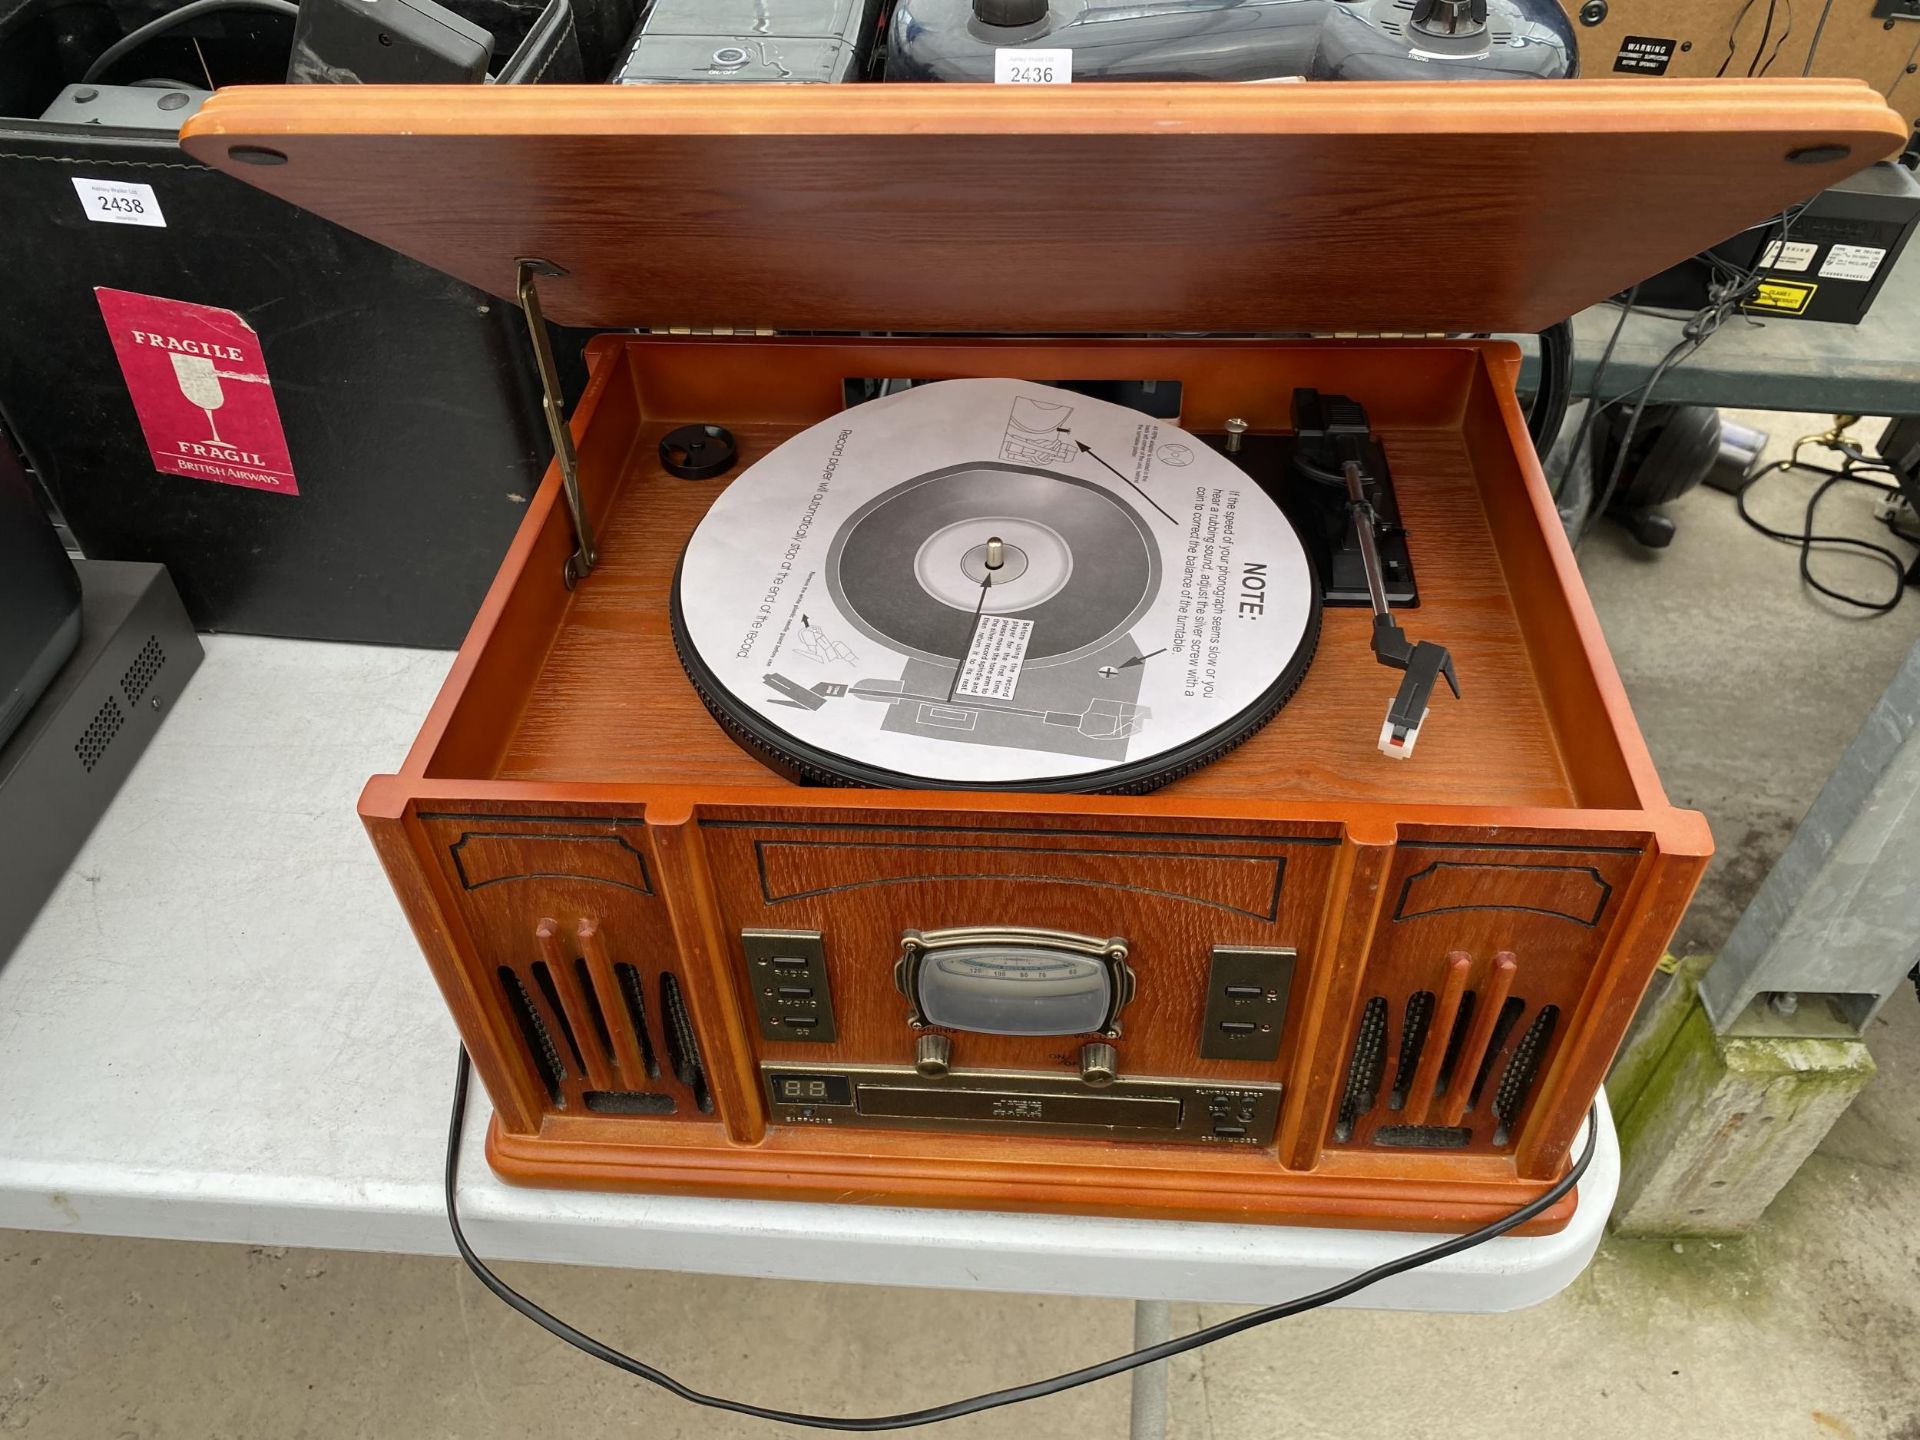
[(1524, 822), (1613, 107), (1439, 1030), (1486, 1012), (1540, 563), (705, 969), (567, 984), (1654, 910), (451, 956), (983, 1181), (606, 984), (1346, 933)]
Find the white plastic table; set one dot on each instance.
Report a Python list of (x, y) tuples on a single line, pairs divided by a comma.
[(220, 1029)]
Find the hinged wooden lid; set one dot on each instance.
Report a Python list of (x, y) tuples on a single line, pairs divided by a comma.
[(1498, 206)]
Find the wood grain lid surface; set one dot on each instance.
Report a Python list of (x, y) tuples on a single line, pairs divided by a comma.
[(1326, 208)]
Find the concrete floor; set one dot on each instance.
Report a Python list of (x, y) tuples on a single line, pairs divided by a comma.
[(1748, 687)]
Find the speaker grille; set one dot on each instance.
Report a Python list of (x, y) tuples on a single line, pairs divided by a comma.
[(683, 1051), (146, 665), (635, 996), (92, 745), (533, 1030)]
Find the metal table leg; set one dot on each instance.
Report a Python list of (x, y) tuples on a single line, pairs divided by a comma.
[(1152, 1323)]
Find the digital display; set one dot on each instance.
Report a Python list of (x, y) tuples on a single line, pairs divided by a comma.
[(811, 1089)]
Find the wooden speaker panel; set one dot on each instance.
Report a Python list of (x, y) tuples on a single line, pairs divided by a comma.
[(574, 952), (1480, 960)]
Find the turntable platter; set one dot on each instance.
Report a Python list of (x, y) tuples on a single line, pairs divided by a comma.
[(990, 583)]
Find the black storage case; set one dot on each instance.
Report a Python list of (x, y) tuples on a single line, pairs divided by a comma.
[(404, 509)]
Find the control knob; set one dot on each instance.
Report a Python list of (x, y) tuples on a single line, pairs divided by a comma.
[(1099, 1063), (932, 1054)]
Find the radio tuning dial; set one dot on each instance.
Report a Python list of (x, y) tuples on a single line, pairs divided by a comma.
[(932, 1054), (1011, 980), (1099, 1063)]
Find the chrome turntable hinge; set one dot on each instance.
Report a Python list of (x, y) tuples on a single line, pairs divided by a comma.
[(584, 556)]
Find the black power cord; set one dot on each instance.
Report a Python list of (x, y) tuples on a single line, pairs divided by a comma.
[(1555, 389), (1779, 44), (1733, 38), (1806, 538), (1813, 47), (1015, 1394), (1582, 435), (1731, 289)]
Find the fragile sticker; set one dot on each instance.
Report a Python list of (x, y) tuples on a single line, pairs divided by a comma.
[(1852, 262), (1795, 255), (1643, 55), (198, 381), (1783, 297)]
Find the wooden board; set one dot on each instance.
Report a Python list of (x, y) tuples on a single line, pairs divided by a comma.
[(1221, 208)]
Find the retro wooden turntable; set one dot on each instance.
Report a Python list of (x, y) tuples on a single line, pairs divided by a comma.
[(1305, 982)]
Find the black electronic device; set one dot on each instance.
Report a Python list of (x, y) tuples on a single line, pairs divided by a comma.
[(1836, 254), (386, 42), (140, 107), (390, 529), (767, 41), (1899, 446), (1231, 40), (39, 596), (78, 742)]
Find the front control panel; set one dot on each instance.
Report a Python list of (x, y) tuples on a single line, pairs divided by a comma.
[(1247, 990), (963, 988), (890, 1097), (787, 970)]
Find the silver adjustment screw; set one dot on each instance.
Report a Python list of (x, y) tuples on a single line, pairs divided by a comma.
[(1235, 428), (931, 1054), (1099, 1063)]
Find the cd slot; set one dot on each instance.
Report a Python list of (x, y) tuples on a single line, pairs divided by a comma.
[(888, 1097), (929, 1102)]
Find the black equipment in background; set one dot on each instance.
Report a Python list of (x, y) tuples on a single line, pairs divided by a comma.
[(39, 596), (1673, 449), (395, 523), (746, 41), (1899, 447), (78, 742), (1236, 39), (386, 42), (1837, 254)]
